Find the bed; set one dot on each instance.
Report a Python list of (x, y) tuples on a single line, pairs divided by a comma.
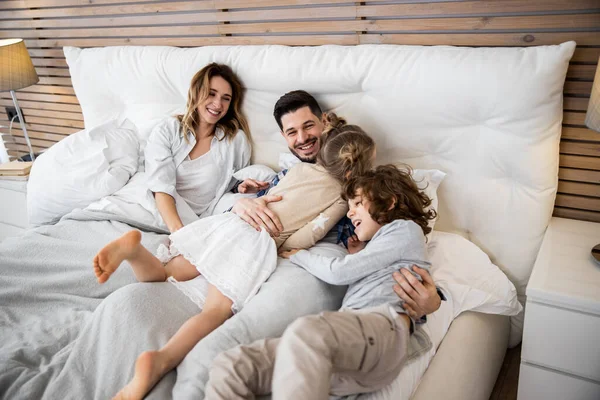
[(489, 118)]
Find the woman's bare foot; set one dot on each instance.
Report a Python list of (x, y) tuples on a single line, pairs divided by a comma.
[(113, 254), (149, 368)]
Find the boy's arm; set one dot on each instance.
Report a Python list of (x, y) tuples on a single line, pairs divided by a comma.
[(316, 229), (348, 269)]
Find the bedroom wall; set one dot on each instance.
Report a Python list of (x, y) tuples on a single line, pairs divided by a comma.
[(52, 111)]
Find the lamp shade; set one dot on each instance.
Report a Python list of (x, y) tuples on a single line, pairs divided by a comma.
[(16, 69), (592, 118)]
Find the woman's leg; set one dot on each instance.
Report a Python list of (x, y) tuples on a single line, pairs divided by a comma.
[(146, 267), (151, 366)]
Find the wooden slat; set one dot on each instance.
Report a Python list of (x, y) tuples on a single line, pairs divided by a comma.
[(573, 118), (42, 97), (585, 189), (579, 175), (300, 40), (49, 62), (42, 71), (47, 128), (582, 162), (55, 81), (586, 72), (12, 4), (580, 148), (475, 7), (580, 134), (49, 89), (590, 55), (50, 137), (125, 9), (74, 108), (578, 87), (60, 115), (580, 202), (33, 119), (576, 214), (575, 103), (488, 39)]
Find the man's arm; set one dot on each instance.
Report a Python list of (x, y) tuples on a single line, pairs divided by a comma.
[(256, 213), (420, 298)]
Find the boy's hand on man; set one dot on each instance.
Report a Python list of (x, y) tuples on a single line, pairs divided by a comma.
[(252, 186), (288, 253), (355, 245)]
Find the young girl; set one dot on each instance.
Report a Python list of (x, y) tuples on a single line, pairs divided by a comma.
[(229, 257), (190, 158), (363, 347)]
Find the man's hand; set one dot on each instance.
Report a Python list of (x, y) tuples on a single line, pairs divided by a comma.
[(289, 253), (252, 186), (256, 213), (420, 298), (355, 245)]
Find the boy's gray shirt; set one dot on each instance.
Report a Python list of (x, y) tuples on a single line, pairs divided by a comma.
[(368, 273)]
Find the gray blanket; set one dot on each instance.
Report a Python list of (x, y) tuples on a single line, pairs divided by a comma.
[(63, 336)]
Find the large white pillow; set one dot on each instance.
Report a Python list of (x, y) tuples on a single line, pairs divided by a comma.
[(81, 169)]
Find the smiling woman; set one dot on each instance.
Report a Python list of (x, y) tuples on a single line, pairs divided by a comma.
[(190, 157)]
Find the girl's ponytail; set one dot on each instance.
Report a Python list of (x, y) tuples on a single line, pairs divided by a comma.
[(346, 150)]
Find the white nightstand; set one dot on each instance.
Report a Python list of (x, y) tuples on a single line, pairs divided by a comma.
[(13, 207), (560, 356)]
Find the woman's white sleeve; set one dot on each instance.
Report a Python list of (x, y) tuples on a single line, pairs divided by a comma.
[(160, 166)]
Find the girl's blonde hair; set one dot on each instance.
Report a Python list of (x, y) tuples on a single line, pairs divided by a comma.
[(199, 91), (346, 150)]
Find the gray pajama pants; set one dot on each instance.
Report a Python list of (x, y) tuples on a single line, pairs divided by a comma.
[(341, 353)]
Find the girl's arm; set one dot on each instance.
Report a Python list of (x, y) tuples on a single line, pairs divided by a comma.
[(315, 230)]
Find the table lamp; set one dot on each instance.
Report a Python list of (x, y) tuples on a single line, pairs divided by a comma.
[(592, 121), (16, 72)]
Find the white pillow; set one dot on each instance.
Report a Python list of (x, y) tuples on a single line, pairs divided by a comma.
[(257, 172), (466, 273), (80, 169)]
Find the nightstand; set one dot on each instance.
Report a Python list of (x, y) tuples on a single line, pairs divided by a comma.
[(13, 207), (560, 356)]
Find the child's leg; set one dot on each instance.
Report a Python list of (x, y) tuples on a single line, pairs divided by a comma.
[(358, 346), (146, 267), (242, 372), (151, 366)]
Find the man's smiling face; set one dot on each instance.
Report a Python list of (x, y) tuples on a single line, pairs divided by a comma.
[(302, 130)]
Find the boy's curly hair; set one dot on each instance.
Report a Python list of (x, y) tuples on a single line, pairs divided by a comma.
[(393, 194)]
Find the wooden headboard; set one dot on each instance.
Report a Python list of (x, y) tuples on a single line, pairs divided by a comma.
[(51, 109)]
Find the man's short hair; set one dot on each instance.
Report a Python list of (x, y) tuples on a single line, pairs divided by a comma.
[(293, 101)]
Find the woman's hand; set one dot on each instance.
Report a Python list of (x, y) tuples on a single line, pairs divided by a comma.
[(355, 245), (288, 253), (252, 186), (256, 213), (420, 298)]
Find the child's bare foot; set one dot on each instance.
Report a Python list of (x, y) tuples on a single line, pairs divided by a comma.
[(149, 368), (113, 254)]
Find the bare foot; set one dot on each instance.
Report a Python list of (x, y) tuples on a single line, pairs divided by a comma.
[(149, 368), (113, 254)]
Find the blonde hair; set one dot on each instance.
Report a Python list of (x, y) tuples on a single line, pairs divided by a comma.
[(346, 150), (199, 91)]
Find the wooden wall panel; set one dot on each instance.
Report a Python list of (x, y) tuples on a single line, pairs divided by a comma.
[(52, 111)]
